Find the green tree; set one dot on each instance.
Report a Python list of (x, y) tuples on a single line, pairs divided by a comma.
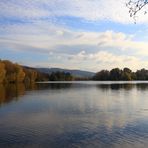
[(116, 74), (127, 74), (103, 75), (142, 74), (60, 76)]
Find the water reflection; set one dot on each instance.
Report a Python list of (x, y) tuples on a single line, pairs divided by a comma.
[(11, 92), (117, 86), (74, 115), (8, 92), (130, 86)]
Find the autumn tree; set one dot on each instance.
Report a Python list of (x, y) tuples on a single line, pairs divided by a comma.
[(10, 72), (14, 72), (2, 72), (30, 75), (20, 74)]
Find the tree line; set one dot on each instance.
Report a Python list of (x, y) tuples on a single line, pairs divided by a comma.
[(117, 74), (15, 73), (60, 76)]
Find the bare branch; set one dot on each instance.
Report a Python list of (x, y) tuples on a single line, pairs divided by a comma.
[(135, 6)]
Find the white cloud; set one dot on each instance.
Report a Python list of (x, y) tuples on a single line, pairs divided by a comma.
[(47, 36), (91, 10), (101, 60), (93, 50), (26, 9)]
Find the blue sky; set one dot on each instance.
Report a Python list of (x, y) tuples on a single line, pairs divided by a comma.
[(75, 34)]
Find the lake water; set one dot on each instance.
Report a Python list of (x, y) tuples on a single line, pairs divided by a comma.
[(74, 115)]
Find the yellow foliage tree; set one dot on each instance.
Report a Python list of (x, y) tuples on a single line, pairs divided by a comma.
[(2, 72), (20, 75)]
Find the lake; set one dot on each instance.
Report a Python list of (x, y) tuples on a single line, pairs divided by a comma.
[(74, 115)]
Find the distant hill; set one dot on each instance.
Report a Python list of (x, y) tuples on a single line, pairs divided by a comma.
[(76, 73)]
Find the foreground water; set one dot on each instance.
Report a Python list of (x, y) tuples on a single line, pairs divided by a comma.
[(74, 114)]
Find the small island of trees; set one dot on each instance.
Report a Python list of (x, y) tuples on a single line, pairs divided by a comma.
[(117, 74)]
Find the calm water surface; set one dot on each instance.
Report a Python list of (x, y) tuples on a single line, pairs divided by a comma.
[(74, 115)]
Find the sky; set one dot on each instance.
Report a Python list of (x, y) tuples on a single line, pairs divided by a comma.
[(74, 34)]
